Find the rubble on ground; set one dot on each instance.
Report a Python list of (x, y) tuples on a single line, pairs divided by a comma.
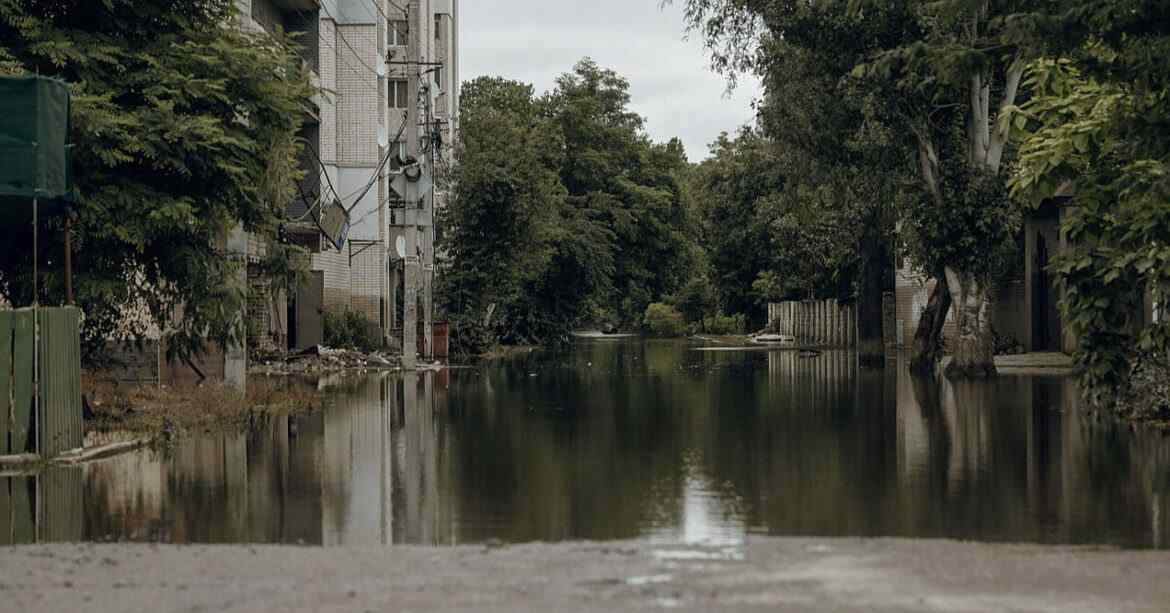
[(323, 360)]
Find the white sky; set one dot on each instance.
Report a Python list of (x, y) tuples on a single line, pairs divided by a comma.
[(671, 84)]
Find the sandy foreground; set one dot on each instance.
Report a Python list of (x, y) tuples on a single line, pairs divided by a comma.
[(765, 574)]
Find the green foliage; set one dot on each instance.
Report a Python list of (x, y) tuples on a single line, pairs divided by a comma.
[(1095, 129), (351, 330), (501, 228), (664, 321), (725, 324), (696, 299), (769, 287), (622, 183), (973, 227), (184, 127), (728, 187), (805, 205), (563, 209)]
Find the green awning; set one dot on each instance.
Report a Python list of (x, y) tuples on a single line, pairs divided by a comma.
[(34, 153)]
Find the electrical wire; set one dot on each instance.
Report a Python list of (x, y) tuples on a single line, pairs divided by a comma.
[(346, 41), (324, 170), (390, 151)]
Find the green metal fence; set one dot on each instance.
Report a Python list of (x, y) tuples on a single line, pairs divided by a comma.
[(51, 424)]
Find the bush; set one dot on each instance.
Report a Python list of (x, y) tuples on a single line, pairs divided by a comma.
[(351, 330), (1147, 397), (695, 299), (725, 324), (664, 321), (469, 337)]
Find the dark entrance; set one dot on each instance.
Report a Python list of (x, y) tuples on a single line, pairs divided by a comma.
[(1045, 319)]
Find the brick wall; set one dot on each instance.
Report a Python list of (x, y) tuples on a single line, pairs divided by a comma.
[(335, 265), (366, 279), (358, 110), (326, 101), (912, 295)]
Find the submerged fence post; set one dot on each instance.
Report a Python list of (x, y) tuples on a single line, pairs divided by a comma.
[(5, 381), (828, 325), (834, 315), (853, 332), (59, 407), (818, 328)]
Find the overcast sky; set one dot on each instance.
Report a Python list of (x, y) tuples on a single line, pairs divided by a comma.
[(671, 84)]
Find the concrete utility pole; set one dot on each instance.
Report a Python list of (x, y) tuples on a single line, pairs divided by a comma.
[(411, 264)]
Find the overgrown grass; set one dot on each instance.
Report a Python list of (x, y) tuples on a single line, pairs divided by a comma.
[(153, 410), (351, 330), (664, 321)]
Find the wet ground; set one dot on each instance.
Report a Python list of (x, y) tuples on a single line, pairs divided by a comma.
[(627, 440), (764, 575)]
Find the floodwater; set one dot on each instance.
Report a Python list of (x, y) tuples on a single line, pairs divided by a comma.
[(633, 439)]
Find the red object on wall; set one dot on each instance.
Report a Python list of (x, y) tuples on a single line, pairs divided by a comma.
[(442, 335)]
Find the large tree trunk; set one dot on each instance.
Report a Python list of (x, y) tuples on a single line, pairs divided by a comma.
[(973, 354), (870, 337), (927, 348)]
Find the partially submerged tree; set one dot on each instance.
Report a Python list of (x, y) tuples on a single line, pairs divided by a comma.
[(621, 181), (564, 212), (843, 164), (931, 65), (499, 227), (963, 74), (184, 127), (729, 187)]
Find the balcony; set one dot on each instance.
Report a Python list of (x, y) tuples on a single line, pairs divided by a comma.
[(297, 5)]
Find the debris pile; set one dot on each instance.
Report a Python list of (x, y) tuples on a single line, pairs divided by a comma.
[(322, 360)]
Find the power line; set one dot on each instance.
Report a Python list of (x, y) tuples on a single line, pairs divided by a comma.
[(389, 151)]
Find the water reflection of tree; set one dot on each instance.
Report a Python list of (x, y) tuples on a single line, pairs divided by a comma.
[(629, 439)]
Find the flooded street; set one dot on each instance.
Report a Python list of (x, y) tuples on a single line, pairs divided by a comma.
[(660, 442)]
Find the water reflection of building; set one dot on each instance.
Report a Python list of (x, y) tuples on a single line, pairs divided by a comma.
[(645, 440), (1015, 459), (368, 468)]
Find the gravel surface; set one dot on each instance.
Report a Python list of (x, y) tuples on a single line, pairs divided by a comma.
[(766, 574)]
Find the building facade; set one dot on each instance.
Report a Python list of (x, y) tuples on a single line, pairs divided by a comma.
[(354, 142)]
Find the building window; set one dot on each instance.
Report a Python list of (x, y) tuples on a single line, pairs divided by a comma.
[(438, 27), (397, 94), (439, 76), (398, 34)]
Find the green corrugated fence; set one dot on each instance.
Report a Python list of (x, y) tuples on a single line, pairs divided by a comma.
[(55, 425)]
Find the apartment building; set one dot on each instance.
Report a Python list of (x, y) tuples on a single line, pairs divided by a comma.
[(357, 51)]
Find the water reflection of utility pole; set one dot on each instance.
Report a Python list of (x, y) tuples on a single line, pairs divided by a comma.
[(421, 474), (389, 407)]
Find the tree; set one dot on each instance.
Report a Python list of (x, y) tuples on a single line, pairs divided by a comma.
[(564, 211), (961, 80), (633, 188), (184, 127), (844, 165), (930, 69), (1096, 127), (728, 188), (500, 224)]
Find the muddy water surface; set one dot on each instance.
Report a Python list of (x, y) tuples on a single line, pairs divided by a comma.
[(633, 439)]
